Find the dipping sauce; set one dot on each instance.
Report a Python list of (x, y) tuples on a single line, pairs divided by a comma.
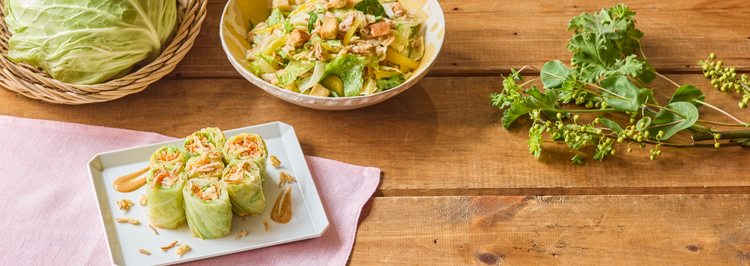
[(282, 209), (129, 183)]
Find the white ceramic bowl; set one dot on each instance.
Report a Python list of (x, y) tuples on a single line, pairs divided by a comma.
[(235, 22)]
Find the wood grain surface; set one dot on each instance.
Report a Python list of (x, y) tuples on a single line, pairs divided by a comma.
[(486, 37), (441, 137), (556, 230), (445, 156)]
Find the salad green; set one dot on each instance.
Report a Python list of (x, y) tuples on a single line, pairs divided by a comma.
[(335, 48)]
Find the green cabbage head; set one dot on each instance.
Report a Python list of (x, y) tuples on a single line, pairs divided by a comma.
[(88, 41)]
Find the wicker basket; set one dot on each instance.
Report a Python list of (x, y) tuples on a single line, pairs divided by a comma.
[(33, 82)]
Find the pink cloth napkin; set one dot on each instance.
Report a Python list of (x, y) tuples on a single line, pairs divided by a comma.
[(49, 214)]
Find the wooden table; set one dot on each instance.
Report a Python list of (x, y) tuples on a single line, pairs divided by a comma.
[(459, 189)]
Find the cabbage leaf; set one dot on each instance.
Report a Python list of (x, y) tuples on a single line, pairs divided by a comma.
[(88, 41), (349, 69)]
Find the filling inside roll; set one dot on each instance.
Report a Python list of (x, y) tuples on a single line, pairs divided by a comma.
[(167, 156), (207, 141), (246, 147), (204, 167), (165, 178)]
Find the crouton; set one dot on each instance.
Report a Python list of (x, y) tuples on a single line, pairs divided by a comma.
[(380, 29), (339, 3), (351, 3), (319, 90), (298, 38), (330, 28), (282, 5), (398, 10)]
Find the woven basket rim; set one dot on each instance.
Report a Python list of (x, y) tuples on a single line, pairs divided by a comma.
[(33, 82)]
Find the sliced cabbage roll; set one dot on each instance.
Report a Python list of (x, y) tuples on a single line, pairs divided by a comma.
[(207, 141), (247, 147), (164, 194), (208, 208), (204, 166), (167, 156), (245, 187)]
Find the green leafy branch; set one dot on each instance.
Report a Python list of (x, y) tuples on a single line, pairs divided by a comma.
[(603, 80)]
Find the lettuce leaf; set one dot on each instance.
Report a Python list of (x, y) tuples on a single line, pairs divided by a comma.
[(349, 69), (390, 82), (292, 71), (275, 18), (371, 6)]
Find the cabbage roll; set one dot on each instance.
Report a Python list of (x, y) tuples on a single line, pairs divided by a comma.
[(207, 141), (164, 194), (243, 182), (208, 208), (167, 156), (204, 166), (247, 147)]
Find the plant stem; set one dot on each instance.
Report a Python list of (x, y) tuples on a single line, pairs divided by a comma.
[(668, 124), (721, 124), (721, 111), (582, 111), (615, 94), (665, 108), (660, 75), (738, 134)]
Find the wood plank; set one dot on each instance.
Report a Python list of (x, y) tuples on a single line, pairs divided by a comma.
[(489, 37), (440, 137), (559, 230)]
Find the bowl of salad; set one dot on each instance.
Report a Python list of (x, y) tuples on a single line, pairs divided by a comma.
[(332, 54)]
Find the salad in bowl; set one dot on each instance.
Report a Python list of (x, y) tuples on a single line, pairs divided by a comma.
[(335, 48)]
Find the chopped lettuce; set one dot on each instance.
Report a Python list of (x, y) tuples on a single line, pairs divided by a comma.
[(275, 18), (311, 23), (349, 69), (292, 71), (402, 34), (390, 82), (307, 83), (372, 7), (255, 68)]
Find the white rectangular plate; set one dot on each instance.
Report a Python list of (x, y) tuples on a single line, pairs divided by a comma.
[(124, 240)]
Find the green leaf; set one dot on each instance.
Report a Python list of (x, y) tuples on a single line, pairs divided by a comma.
[(665, 117), (688, 93), (511, 114), (390, 82), (610, 124), (623, 87), (311, 22), (578, 159), (553, 74), (275, 18), (599, 154), (535, 141), (288, 26), (372, 7), (349, 69), (643, 123), (648, 96)]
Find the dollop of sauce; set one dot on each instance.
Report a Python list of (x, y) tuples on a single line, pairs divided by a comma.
[(282, 209), (129, 183)]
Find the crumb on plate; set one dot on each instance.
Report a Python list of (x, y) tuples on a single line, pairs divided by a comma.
[(124, 204), (268, 227), (144, 252), (182, 249), (285, 178), (240, 234), (144, 200), (153, 229), (169, 246), (275, 161), (128, 220)]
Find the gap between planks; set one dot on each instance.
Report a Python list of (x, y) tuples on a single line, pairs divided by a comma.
[(561, 191)]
